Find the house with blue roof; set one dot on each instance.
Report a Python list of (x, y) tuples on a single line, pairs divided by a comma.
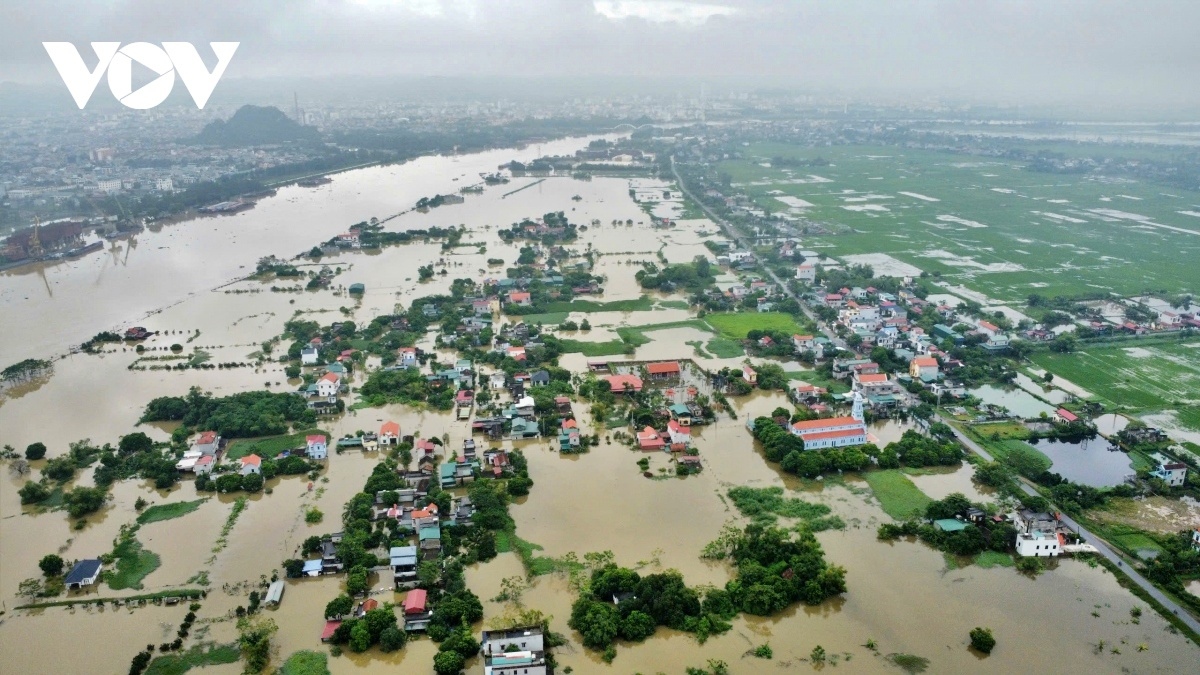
[(84, 573)]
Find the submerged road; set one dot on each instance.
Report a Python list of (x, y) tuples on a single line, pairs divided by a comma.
[(1101, 546)]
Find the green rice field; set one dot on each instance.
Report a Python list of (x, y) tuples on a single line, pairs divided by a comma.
[(983, 223), (1158, 377)]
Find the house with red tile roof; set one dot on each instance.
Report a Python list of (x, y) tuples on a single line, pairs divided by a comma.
[(251, 464), (1065, 416), (207, 443), (834, 432), (618, 383), (662, 371), (329, 385), (680, 435), (414, 602), (649, 439), (389, 433), (520, 298)]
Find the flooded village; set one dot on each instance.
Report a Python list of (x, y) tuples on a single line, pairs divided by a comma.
[(508, 405)]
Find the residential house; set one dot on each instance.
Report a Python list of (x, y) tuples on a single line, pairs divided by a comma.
[(516, 353), (749, 374), (481, 307), (83, 573), (923, 368), (568, 436), (517, 651), (497, 380), (330, 561), (514, 639), (416, 612), (309, 356), (389, 433), (523, 428), (497, 462), (804, 343), (464, 399), (803, 392), (620, 383), (251, 464), (1065, 416), (429, 538), (679, 435), (329, 385), (562, 404), (834, 300), (682, 414), (407, 357), (207, 443), (539, 378), (649, 439), (204, 465), (807, 273), (423, 447), (948, 388), (1037, 534), (988, 329), (316, 447), (520, 298), (1173, 473), (663, 371)]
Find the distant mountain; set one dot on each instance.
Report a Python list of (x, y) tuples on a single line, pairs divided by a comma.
[(255, 125)]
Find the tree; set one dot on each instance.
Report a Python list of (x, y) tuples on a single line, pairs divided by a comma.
[(597, 622), (339, 606), (637, 626), (252, 482), (51, 565), (293, 568), (982, 639), (135, 443), (448, 663), (518, 486), (356, 581), (254, 637), (32, 493), (82, 501), (35, 451), (392, 638), (360, 637), (1064, 344)]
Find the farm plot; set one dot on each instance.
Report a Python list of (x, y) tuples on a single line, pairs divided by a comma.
[(997, 228), (1141, 378)]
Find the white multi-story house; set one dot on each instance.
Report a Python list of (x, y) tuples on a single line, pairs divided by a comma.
[(316, 447), (1037, 534), (309, 356), (329, 385)]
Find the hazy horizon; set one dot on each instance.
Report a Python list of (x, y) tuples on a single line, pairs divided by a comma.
[(1107, 54)]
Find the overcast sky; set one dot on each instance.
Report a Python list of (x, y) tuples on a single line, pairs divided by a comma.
[(1037, 51)]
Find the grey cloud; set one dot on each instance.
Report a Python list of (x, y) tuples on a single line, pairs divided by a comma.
[(1093, 52)]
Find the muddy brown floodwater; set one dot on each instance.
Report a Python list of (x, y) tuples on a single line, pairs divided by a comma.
[(900, 595)]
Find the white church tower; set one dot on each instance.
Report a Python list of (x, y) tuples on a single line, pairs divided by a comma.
[(857, 411)]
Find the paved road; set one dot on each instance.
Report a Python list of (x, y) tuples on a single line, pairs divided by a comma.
[(737, 238), (1092, 539)]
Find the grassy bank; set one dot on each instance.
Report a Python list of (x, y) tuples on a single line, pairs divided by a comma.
[(737, 325), (133, 563), (160, 512), (899, 496), (306, 663), (639, 305), (269, 446), (196, 657)]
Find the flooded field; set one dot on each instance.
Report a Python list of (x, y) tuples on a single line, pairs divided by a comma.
[(591, 502), (1092, 462), (1018, 401)]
